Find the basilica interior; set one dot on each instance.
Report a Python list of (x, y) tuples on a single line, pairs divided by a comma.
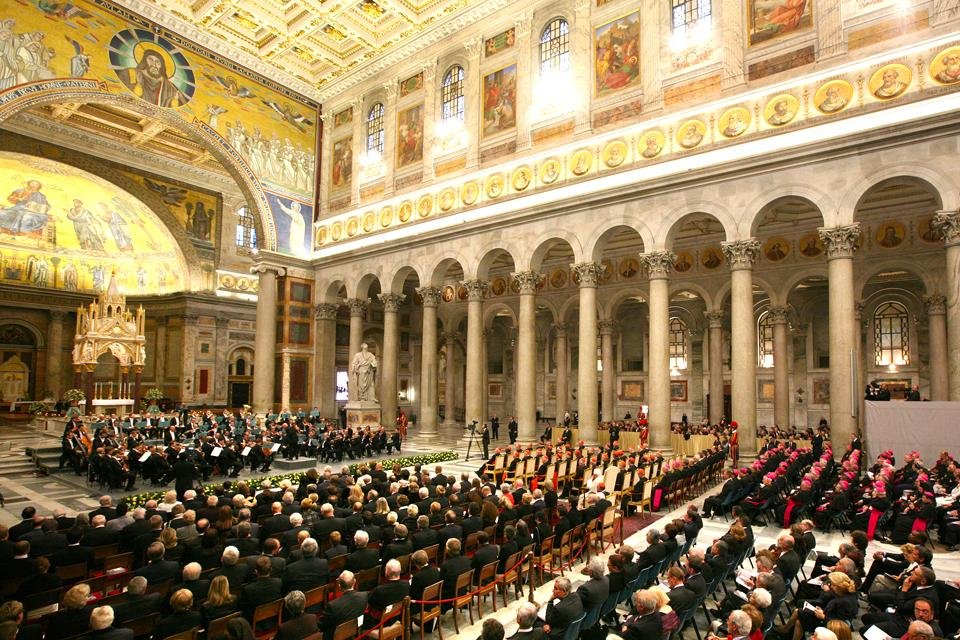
[(602, 207)]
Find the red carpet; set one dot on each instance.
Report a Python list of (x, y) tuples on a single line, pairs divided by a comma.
[(634, 523)]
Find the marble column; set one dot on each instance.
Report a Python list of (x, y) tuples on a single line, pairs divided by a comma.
[(221, 366), (325, 360), (562, 369), (358, 313), (715, 385), (936, 307), (55, 353), (527, 355), (607, 376), (659, 265), (948, 222), (740, 255), (285, 379), (473, 399), (427, 418), (391, 354), (430, 103), (188, 355), (160, 353), (781, 367), (449, 397), (265, 340), (840, 244), (589, 274)]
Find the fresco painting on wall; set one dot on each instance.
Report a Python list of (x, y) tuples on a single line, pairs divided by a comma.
[(769, 19), (617, 59), (197, 211), (499, 100), (295, 218), (341, 165), (410, 136), (61, 227)]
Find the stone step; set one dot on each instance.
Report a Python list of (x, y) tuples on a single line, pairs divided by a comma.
[(293, 466)]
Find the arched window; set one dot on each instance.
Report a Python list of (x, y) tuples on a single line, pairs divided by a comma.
[(678, 344), (686, 15), (241, 367), (891, 337), (765, 341), (555, 46), (246, 236), (451, 94), (375, 128)]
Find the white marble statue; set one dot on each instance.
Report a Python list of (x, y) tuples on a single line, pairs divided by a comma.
[(363, 371)]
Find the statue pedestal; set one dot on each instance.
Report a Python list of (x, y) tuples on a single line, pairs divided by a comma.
[(363, 414)]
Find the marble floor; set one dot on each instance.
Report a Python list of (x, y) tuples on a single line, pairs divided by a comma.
[(72, 493)]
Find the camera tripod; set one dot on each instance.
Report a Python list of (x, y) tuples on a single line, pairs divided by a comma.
[(472, 440)]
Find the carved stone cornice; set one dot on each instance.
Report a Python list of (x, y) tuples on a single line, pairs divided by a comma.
[(840, 242), (473, 47), (608, 327), (522, 22), (262, 268), (527, 281), (391, 301), (779, 315), (358, 306), (190, 320), (714, 319), (741, 254), (429, 295), (589, 273), (325, 311), (450, 338), (659, 264), (948, 224), (390, 89), (935, 304), (476, 289)]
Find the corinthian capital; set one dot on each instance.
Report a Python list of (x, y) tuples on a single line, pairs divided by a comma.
[(935, 304), (948, 224), (607, 327), (778, 315), (358, 306), (714, 318), (429, 295), (588, 272), (325, 311), (741, 254), (840, 242), (391, 301), (476, 289), (527, 281), (659, 264)]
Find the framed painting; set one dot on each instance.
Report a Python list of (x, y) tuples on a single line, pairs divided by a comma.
[(500, 42), (771, 19), (631, 390), (495, 389), (411, 84), (678, 391), (343, 117), (821, 391), (499, 101), (341, 168), (617, 54), (410, 136), (765, 390)]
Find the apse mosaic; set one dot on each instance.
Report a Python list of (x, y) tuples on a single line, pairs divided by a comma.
[(273, 129), (63, 228)]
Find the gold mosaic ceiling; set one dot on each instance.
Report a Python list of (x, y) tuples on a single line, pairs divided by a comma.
[(317, 41)]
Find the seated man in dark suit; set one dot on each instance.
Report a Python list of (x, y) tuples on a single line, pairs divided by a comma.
[(348, 606), (193, 583), (245, 543), (183, 617), (237, 573), (362, 558), (594, 591), (73, 553), (400, 546), (563, 608), (647, 623), (485, 554), (157, 569), (264, 589), (389, 593), (423, 576), (527, 628), (453, 565), (139, 603), (101, 626), (681, 598), (297, 624), (425, 536), (337, 548), (308, 572)]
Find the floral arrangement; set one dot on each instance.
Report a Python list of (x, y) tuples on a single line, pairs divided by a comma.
[(153, 394), (36, 408), (74, 395), (141, 499)]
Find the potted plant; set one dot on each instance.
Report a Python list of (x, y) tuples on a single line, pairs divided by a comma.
[(74, 397), (152, 396), (36, 408)]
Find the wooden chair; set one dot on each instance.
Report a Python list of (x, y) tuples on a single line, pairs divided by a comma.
[(544, 558), (72, 572), (561, 552), (336, 564), (432, 552), (394, 622), (471, 544), (104, 551), (487, 583), (429, 612), (189, 634), (268, 613), (511, 575), (368, 578), (404, 561), (608, 527), (218, 628), (314, 599), (119, 561), (143, 627), (163, 588), (462, 598), (345, 630)]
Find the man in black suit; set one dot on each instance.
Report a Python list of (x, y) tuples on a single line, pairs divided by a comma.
[(362, 558), (157, 569), (485, 554), (527, 628), (327, 523), (391, 592), (25, 524), (789, 563), (297, 624), (400, 546), (139, 603), (654, 553), (271, 551), (695, 580), (594, 591), (563, 608), (106, 509), (50, 541), (425, 536), (101, 626), (237, 573), (423, 574), (193, 583), (451, 529), (288, 539), (681, 598), (348, 606), (308, 572), (276, 524), (647, 623), (73, 553), (454, 565), (245, 544), (98, 534), (264, 589), (337, 548), (185, 472)]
